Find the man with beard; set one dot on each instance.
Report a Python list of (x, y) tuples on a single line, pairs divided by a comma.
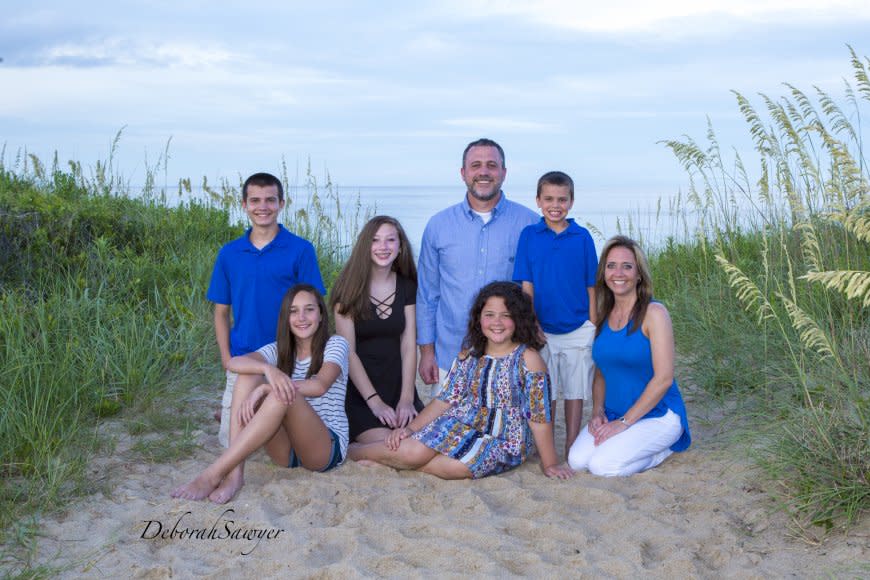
[(465, 247)]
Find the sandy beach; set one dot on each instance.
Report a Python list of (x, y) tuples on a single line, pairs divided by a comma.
[(701, 514)]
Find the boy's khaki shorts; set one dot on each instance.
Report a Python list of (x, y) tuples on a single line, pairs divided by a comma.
[(226, 402), (569, 361)]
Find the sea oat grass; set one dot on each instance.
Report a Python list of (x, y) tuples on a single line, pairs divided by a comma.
[(771, 304)]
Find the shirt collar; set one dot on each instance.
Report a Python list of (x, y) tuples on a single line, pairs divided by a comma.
[(280, 239), (572, 229), (498, 208)]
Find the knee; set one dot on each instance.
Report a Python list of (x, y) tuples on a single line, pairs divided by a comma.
[(606, 465), (414, 454), (580, 451), (577, 460), (273, 402)]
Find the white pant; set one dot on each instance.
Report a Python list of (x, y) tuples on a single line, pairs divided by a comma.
[(640, 447), (226, 402)]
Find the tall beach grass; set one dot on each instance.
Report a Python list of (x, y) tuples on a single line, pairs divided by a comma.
[(103, 314), (770, 294)]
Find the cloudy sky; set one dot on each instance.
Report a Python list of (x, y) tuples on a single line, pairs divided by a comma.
[(388, 93)]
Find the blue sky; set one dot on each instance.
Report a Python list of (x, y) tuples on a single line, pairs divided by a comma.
[(389, 93)]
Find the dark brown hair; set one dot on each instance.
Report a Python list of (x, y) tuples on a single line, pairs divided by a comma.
[(351, 289), (262, 180), (558, 178), (483, 142), (287, 347), (604, 299), (517, 303)]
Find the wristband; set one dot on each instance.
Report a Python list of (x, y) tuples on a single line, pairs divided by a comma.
[(370, 396)]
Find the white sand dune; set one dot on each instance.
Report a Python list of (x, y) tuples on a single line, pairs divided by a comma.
[(700, 514)]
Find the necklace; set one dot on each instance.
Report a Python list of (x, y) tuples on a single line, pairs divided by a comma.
[(618, 319)]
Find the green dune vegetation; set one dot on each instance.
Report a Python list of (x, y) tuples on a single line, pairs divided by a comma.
[(103, 315), (105, 331), (770, 295)]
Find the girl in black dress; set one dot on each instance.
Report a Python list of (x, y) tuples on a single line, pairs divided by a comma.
[(373, 301)]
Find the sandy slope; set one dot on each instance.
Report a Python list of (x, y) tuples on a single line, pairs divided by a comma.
[(700, 514)]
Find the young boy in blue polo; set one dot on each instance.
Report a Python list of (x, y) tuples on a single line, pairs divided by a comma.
[(556, 263), (251, 276)]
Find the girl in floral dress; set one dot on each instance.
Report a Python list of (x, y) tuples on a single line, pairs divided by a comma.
[(494, 406)]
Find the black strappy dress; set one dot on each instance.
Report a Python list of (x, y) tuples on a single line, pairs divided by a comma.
[(378, 345)]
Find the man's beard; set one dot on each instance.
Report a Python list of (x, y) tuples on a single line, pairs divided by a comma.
[(484, 196)]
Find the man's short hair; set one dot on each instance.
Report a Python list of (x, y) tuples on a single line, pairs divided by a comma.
[(556, 178), (262, 180), (483, 142)]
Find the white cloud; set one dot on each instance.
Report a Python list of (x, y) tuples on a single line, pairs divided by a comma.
[(622, 16), (499, 124), (123, 51), (149, 93), (430, 44)]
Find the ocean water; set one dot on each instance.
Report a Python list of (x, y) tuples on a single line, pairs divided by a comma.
[(604, 213), (646, 216)]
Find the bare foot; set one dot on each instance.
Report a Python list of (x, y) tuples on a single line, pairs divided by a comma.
[(197, 489), (228, 488)]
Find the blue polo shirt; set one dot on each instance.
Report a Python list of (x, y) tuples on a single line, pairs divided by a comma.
[(561, 267), (253, 282)]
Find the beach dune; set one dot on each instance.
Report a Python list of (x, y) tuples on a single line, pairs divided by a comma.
[(699, 515)]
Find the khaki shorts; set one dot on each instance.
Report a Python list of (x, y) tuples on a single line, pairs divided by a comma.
[(569, 361), (226, 404)]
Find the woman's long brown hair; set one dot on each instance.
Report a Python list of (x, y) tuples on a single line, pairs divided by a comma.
[(604, 297), (351, 290), (287, 347)]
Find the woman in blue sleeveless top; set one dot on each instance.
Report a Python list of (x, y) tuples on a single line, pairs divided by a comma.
[(638, 414)]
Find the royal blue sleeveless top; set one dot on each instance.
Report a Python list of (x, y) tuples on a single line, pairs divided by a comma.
[(625, 361)]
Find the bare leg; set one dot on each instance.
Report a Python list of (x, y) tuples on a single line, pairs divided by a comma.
[(305, 433), (266, 421), (573, 416), (376, 435), (235, 479), (446, 468), (411, 454)]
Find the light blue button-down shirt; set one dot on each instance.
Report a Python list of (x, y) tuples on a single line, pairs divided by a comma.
[(459, 255)]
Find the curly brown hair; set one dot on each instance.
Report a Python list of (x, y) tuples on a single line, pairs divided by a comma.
[(517, 303)]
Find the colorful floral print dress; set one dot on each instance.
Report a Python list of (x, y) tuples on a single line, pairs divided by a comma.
[(491, 401)]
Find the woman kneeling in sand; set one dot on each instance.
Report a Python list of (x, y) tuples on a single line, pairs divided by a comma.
[(289, 399), (495, 401), (638, 414)]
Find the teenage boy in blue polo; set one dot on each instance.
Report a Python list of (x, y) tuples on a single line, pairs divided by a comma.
[(556, 264), (251, 276)]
